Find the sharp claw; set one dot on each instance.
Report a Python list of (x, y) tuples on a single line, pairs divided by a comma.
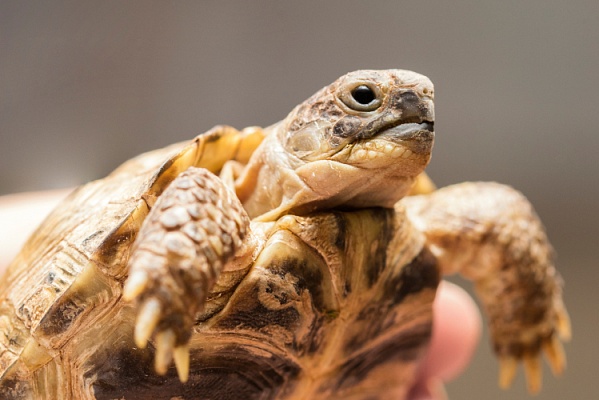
[(556, 356), (165, 342), (181, 356), (534, 374), (135, 284), (146, 322), (507, 371), (563, 326)]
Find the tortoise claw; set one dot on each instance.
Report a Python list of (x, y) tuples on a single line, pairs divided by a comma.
[(135, 285), (562, 324), (556, 357), (507, 371), (165, 344), (181, 356), (147, 320), (534, 373)]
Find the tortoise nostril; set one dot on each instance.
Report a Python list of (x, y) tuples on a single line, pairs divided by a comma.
[(427, 93)]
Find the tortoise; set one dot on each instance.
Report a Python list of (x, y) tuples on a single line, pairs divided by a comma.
[(299, 261)]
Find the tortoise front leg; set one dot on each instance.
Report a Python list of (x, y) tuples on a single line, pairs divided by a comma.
[(193, 229), (491, 234)]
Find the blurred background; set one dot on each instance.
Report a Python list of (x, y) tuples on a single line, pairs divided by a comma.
[(87, 85)]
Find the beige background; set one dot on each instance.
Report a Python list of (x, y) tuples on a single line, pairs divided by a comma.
[(85, 86)]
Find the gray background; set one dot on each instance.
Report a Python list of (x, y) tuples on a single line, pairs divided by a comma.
[(86, 85)]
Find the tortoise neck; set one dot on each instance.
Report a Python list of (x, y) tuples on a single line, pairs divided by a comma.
[(274, 184), (269, 187)]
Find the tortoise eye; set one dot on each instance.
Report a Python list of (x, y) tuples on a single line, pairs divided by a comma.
[(362, 98), (363, 95)]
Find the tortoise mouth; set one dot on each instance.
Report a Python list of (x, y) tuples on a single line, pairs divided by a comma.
[(403, 141), (417, 136), (408, 130)]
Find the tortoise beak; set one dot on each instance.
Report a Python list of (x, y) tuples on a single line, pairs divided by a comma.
[(415, 128)]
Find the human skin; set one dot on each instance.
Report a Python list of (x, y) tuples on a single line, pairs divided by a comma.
[(457, 322)]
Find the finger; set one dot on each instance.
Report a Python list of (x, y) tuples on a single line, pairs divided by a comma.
[(457, 328)]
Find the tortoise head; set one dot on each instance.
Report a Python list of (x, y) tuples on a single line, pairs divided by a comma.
[(359, 142), (367, 119)]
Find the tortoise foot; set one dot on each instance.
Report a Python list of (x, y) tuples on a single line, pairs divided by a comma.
[(194, 228), (529, 347)]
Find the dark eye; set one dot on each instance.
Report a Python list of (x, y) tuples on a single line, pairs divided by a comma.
[(363, 95)]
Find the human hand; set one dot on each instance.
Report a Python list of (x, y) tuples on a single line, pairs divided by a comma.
[(457, 322)]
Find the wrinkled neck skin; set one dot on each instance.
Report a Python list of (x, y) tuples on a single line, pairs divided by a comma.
[(275, 183)]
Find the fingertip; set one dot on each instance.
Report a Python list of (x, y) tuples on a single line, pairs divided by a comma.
[(457, 327)]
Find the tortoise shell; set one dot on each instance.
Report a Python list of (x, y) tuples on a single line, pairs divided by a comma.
[(277, 263)]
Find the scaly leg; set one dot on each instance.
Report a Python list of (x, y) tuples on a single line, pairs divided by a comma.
[(490, 234), (193, 229)]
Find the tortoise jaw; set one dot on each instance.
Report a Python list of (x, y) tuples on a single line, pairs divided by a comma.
[(399, 141), (410, 131), (418, 137)]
